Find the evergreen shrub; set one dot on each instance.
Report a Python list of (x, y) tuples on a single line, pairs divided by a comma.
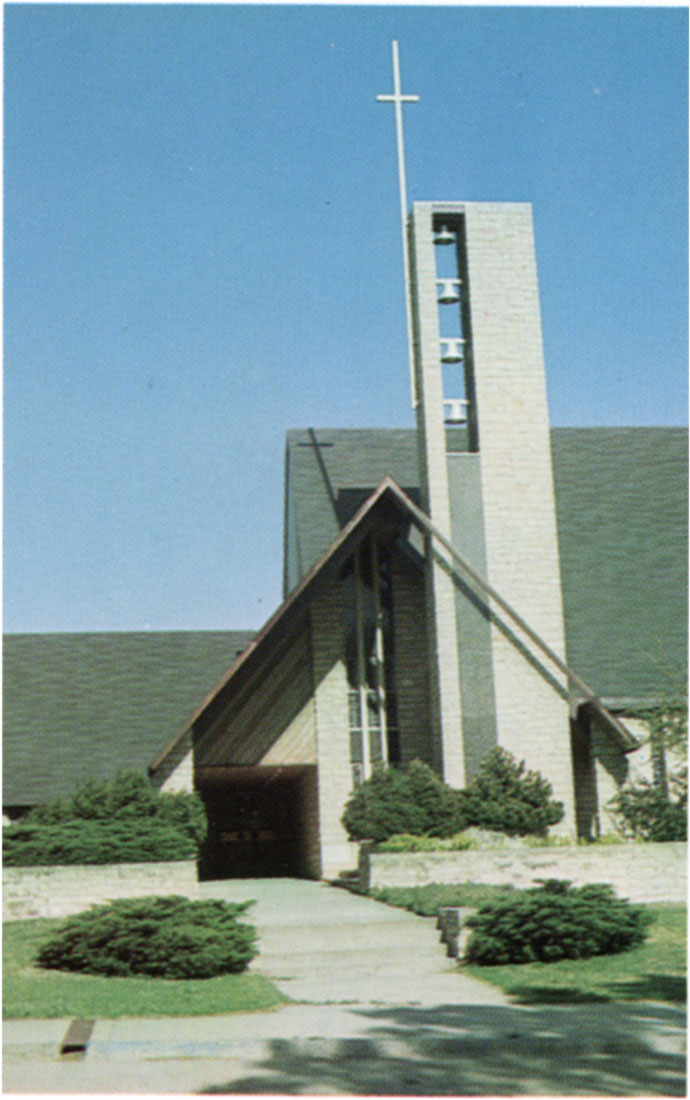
[(120, 820), (396, 801), (507, 798), (94, 842), (552, 922), (158, 937), (503, 797)]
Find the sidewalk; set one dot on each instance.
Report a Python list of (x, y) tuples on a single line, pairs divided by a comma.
[(442, 1050)]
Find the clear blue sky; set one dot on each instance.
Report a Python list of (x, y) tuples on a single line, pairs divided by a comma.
[(202, 250)]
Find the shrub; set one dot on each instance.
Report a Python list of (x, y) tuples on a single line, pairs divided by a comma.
[(394, 801), (554, 922), (645, 811), (161, 937), (28, 844), (128, 795), (505, 797), (407, 842), (124, 820)]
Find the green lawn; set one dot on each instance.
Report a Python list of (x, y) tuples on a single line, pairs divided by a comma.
[(30, 991), (656, 970)]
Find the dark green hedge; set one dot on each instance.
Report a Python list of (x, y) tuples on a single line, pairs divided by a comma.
[(554, 922), (120, 820), (160, 937), (89, 842)]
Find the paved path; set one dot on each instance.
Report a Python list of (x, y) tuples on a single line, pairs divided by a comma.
[(324, 945), (411, 1024)]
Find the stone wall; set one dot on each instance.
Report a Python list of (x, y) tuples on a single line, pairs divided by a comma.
[(640, 872), (59, 891)]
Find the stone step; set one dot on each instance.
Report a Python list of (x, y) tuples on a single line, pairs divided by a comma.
[(373, 961), (337, 937)]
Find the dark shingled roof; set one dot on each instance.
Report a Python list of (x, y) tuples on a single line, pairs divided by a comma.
[(621, 499), (78, 706)]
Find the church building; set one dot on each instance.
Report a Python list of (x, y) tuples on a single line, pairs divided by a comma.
[(479, 580)]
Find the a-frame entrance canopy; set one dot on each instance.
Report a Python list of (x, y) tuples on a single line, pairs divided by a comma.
[(390, 509)]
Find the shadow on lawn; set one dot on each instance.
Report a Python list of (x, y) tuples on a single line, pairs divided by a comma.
[(475, 1050), (555, 995), (654, 987)]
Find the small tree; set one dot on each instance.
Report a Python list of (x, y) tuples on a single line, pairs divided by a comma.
[(505, 797), (657, 810)]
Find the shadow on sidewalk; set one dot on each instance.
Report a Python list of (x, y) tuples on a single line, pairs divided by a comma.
[(601, 1050)]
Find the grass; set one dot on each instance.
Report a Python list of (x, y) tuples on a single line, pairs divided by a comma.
[(29, 991), (655, 970), (425, 900)]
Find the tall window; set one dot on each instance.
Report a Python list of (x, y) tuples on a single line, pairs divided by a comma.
[(374, 733)]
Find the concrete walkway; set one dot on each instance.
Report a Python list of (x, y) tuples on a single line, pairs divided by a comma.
[(324, 945), (374, 1019)]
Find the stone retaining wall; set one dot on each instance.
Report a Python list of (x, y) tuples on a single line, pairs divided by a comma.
[(640, 872), (59, 891)]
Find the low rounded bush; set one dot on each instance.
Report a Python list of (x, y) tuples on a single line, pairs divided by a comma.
[(395, 801), (28, 844), (554, 922), (159, 937)]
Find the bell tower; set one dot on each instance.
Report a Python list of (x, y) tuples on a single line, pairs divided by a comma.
[(479, 393)]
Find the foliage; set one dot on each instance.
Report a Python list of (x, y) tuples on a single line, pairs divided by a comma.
[(94, 842), (163, 937), (124, 819), (130, 794), (645, 811), (408, 842), (658, 811), (506, 797), (426, 900), (654, 970), (395, 801), (555, 921), (29, 991)]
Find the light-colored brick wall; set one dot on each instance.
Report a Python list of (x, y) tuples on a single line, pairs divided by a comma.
[(517, 485), (640, 872), (60, 891), (181, 777), (332, 728)]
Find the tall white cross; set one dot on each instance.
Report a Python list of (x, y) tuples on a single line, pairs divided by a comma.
[(398, 99)]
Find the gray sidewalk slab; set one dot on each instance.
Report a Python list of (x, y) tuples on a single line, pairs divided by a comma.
[(442, 1050)]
